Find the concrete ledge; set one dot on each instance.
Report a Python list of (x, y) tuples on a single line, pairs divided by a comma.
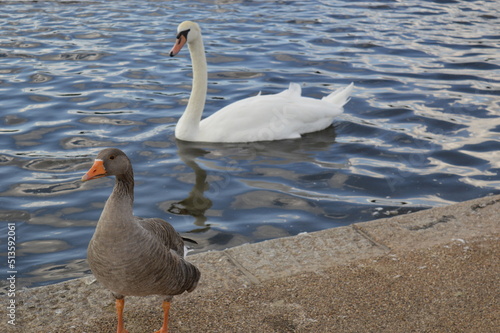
[(436, 226), (266, 286)]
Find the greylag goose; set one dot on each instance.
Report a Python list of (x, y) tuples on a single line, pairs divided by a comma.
[(286, 115), (133, 256)]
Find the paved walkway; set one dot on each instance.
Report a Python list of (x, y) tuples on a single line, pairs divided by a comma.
[(432, 271)]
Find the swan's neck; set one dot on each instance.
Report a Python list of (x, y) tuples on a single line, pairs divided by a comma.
[(188, 125)]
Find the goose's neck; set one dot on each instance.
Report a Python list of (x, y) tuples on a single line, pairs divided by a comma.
[(188, 124), (119, 206)]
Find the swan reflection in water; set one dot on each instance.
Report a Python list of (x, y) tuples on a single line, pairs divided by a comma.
[(259, 175), (196, 204)]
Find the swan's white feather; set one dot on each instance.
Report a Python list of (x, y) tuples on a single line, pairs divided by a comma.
[(285, 115)]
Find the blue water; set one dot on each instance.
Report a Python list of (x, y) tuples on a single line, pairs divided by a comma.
[(422, 128)]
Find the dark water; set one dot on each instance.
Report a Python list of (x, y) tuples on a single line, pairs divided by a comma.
[(421, 130)]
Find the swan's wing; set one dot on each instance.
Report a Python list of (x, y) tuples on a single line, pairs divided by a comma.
[(285, 115), (294, 90)]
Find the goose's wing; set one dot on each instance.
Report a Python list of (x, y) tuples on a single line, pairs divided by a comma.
[(164, 232), (178, 274)]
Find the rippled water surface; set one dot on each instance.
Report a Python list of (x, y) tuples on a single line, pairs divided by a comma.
[(422, 128)]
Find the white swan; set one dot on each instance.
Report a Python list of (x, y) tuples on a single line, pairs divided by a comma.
[(285, 115)]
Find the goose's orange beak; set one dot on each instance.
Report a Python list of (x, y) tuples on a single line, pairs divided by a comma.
[(96, 171), (179, 43)]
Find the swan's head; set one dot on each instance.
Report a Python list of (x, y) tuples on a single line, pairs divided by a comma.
[(187, 32)]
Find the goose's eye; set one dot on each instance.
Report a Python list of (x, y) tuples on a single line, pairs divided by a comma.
[(112, 157)]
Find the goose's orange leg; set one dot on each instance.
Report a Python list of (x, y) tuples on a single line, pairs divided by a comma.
[(166, 310), (120, 303)]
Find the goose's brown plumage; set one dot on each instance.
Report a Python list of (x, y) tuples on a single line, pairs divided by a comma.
[(133, 256)]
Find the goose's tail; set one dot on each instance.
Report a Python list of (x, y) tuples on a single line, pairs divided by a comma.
[(340, 96)]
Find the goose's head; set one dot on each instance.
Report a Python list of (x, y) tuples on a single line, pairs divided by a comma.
[(187, 32), (109, 162)]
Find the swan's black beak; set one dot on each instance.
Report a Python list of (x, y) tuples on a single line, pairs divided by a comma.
[(179, 42)]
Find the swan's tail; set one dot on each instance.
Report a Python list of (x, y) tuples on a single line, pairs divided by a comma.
[(340, 96)]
